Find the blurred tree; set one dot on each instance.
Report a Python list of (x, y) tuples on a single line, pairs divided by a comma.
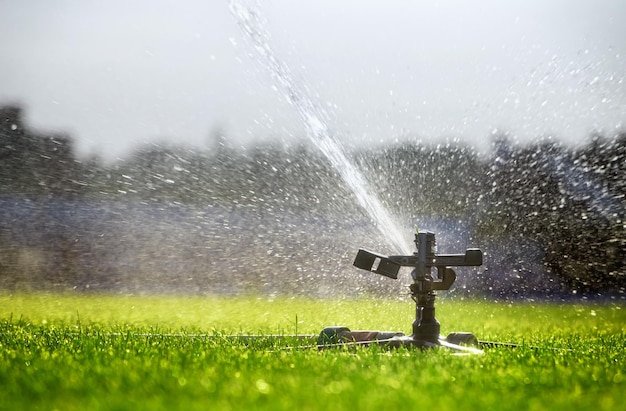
[(32, 164), (561, 201), (543, 206)]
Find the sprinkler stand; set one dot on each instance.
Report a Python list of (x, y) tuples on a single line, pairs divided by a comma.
[(425, 327)]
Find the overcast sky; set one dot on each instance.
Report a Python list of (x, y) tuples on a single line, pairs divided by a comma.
[(116, 74)]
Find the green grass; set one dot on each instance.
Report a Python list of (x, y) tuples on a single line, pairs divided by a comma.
[(75, 352)]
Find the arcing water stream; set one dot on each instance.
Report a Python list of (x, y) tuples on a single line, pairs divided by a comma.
[(313, 117)]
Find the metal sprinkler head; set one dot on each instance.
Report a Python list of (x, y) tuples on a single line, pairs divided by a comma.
[(423, 291)]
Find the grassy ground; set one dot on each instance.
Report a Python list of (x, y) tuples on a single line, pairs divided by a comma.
[(72, 352)]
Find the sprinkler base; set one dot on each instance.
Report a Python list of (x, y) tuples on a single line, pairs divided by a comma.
[(334, 337)]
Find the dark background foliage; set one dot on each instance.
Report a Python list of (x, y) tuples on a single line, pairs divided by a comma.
[(550, 218)]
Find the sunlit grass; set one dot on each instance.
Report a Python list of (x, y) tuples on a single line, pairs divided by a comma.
[(94, 352), (291, 315)]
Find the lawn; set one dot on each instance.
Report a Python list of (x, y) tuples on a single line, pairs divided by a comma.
[(108, 352)]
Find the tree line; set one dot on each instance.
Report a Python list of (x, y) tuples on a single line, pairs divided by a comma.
[(566, 204)]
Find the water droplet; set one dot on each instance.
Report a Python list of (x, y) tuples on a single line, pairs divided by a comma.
[(262, 386)]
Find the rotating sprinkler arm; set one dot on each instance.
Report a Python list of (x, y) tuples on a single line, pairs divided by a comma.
[(389, 266), (425, 327)]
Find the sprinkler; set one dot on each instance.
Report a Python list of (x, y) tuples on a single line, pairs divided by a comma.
[(425, 328)]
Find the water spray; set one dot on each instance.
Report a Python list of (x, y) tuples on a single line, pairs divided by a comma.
[(314, 118)]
